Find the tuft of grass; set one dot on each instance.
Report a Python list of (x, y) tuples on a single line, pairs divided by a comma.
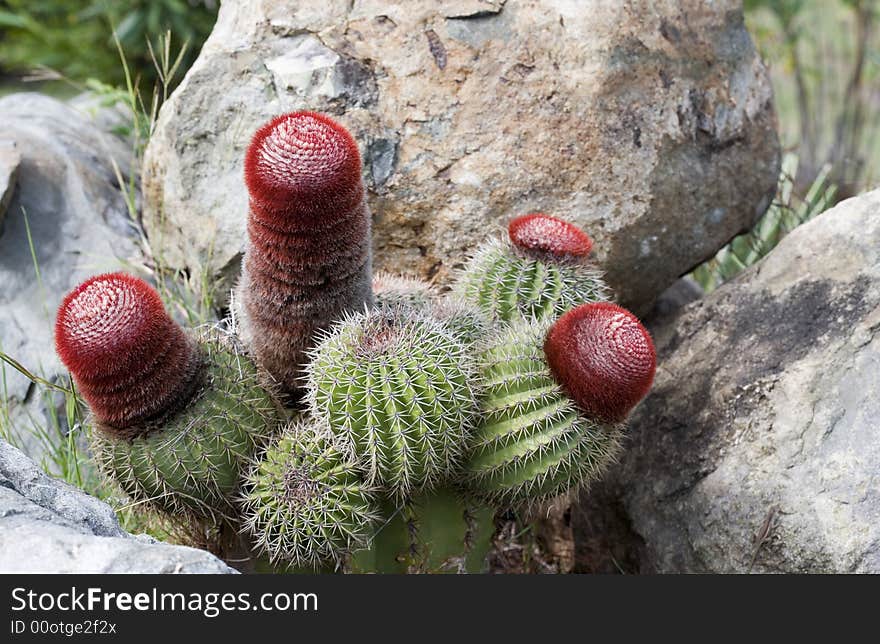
[(786, 213)]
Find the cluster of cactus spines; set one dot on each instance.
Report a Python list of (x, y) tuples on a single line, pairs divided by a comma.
[(603, 357), (132, 363), (533, 443), (463, 319), (305, 501), (400, 389), (539, 271), (424, 412), (393, 290), (177, 416), (308, 261)]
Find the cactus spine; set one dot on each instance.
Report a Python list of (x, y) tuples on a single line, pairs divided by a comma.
[(532, 443), (305, 501), (308, 259), (399, 388), (174, 425), (540, 271)]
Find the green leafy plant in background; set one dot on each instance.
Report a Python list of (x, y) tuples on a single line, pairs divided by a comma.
[(787, 212), (824, 62), (79, 38)]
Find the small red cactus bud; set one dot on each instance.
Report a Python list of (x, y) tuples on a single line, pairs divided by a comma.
[(603, 357), (131, 361), (308, 261), (546, 235)]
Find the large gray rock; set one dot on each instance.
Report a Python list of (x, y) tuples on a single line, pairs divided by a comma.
[(759, 447), (49, 526), (69, 198), (649, 123)]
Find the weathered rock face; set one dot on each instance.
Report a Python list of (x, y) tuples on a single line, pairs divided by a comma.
[(67, 196), (49, 526), (759, 447), (648, 123)]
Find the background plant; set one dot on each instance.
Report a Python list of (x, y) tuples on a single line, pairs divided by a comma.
[(824, 62), (77, 37), (786, 212)]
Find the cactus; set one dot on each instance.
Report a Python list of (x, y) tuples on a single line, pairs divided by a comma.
[(465, 321), (424, 411), (550, 422), (540, 271), (308, 260), (399, 388), (305, 502), (604, 359), (132, 363), (433, 532), (176, 417), (394, 290)]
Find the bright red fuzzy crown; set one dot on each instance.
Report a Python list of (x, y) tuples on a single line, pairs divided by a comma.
[(540, 233), (127, 355), (302, 165), (603, 357)]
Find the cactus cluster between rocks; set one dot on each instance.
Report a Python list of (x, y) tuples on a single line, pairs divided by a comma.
[(359, 421)]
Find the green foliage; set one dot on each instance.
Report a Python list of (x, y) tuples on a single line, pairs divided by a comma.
[(77, 37), (193, 463), (532, 443), (824, 63), (785, 213), (506, 284)]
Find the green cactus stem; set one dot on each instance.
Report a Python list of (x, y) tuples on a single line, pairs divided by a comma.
[(305, 502), (176, 415), (399, 388), (434, 532), (193, 461), (533, 442), (540, 271), (396, 290)]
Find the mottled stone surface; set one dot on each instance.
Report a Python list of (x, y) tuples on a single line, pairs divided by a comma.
[(49, 526), (759, 447), (648, 123)]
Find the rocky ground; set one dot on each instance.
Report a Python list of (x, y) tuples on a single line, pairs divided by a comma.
[(47, 525)]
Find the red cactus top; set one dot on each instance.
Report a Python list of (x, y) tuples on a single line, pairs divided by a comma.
[(302, 166), (540, 233), (603, 357), (128, 357)]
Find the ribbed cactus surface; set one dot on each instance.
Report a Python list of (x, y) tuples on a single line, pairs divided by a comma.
[(400, 389), (305, 501), (533, 442), (527, 276), (308, 259), (193, 462)]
